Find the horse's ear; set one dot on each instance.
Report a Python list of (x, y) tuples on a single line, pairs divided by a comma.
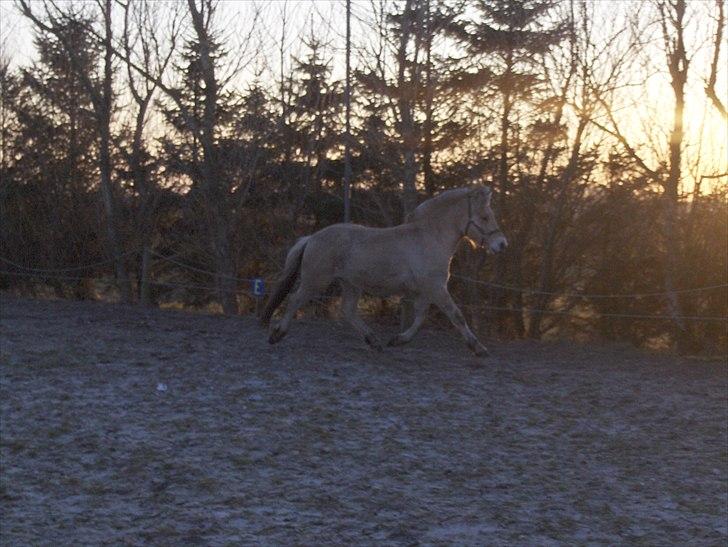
[(484, 192)]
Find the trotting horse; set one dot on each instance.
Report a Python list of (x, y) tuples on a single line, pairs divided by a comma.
[(412, 259)]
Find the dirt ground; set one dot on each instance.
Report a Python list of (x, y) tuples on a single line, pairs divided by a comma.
[(319, 440)]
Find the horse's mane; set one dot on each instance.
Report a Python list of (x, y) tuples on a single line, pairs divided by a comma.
[(438, 203)]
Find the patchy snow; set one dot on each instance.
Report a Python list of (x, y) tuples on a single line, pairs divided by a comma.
[(318, 440)]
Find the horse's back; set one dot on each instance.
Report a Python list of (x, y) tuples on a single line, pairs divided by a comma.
[(347, 238), (379, 260)]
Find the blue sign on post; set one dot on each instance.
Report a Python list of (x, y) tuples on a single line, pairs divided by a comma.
[(258, 287)]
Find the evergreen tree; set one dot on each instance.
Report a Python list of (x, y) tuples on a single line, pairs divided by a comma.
[(49, 159), (418, 107), (315, 128), (504, 47), (201, 114)]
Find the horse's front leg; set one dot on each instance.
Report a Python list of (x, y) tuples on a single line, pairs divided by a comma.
[(445, 302), (421, 305), (349, 302)]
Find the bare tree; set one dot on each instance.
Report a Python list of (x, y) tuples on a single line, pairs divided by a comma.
[(142, 21), (429, 98), (406, 94), (216, 198), (717, 42), (407, 89), (217, 207), (347, 103), (671, 20), (581, 82), (100, 89)]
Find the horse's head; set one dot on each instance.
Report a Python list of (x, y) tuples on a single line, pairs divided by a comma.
[(482, 227)]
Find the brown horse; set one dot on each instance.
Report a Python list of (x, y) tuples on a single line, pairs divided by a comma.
[(411, 259)]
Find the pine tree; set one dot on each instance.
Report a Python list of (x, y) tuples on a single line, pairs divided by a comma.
[(49, 159), (504, 46), (201, 111), (315, 127)]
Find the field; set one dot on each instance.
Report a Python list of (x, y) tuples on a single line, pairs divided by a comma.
[(122, 425)]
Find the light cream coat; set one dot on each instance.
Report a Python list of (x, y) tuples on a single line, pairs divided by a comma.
[(411, 259)]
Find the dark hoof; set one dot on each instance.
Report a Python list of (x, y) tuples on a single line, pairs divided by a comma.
[(480, 351), (396, 341), (275, 335), (373, 342)]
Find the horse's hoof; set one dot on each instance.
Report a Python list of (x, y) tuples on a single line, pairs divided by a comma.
[(395, 341), (275, 335), (373, 342), (481, 351)]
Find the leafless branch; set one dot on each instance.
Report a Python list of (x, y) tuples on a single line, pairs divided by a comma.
[(710, 87)]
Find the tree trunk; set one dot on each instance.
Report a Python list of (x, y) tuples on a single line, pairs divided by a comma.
[(347, 101), (710, 87), (112, 233), (145, 297), (102, 106), (497, 296), (429, 95), (407, 132), (217, 200), (678, 65), (144, 221)]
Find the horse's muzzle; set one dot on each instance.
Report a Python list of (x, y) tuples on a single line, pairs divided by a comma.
[(498, 244)]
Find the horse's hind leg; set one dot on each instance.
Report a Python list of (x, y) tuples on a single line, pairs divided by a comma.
[(297, 301), (445, 302), (349, 298), (421, 305)]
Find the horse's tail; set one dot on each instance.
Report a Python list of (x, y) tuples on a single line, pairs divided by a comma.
[(287, 280)]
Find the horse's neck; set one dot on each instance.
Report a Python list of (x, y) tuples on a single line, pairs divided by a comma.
[(446, 229)]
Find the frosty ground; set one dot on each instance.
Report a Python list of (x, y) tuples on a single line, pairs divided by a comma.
[(319, 440)]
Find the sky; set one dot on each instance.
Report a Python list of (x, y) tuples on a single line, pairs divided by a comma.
[(646, 112)]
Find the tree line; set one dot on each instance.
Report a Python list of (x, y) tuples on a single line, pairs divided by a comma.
[(132, 142)]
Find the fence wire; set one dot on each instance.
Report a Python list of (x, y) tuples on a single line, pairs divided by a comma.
[(589, 295), (69, 269), (32, 272), (599, 314)]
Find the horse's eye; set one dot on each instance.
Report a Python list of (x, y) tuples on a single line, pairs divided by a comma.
[(485, 218)]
